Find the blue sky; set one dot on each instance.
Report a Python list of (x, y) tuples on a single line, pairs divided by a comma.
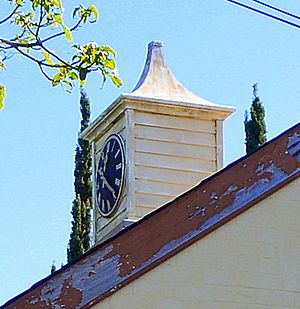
[(214, 48)]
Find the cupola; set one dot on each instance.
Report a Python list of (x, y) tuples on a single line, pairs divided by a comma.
[(151, 145)]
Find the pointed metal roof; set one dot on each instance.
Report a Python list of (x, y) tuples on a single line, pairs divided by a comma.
[(158, 82), (157, 85)]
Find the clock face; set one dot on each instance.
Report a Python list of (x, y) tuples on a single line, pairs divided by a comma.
[(110, 175)]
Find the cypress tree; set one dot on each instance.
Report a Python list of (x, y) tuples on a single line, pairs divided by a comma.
[(81, 207), (255, 127)]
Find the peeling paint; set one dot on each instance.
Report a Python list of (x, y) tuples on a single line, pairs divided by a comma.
[(293, 146), (245, 196), (161, 234), (198, 212)]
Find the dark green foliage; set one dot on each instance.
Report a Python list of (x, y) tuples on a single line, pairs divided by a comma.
[(81, 209), (255, 127)]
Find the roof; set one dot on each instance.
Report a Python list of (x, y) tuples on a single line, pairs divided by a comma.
[(160, 235), (157, 85), (158, 82)]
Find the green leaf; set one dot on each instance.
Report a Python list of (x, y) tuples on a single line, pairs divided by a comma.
[(48, 58), (2, 96), (2, 65), (68, 83), (94, 11), (73, 75), (110, 64), (56, 79), (58, 3), (82, 83), (58, 18), (116, 80), (108, 49), (68, 34)]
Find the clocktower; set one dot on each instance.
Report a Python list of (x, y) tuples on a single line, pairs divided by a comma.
[(151, 145)]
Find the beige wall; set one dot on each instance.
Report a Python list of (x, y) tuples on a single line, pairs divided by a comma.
[(166, 155), (171, 155), (251, 262)]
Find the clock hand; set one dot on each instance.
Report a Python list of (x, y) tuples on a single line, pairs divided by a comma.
[(108, 186), (105, 161), (111, 189), (100, 173)]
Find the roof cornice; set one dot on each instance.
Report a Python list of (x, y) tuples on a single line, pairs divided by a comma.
[(129, 101)]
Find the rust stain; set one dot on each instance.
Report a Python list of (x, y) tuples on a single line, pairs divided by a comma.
[(32, 301), (69, 297)]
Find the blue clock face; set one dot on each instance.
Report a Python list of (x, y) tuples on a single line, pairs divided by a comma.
[(110, 175)]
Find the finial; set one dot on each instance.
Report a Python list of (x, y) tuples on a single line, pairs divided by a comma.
[(154, 54), (255, 90), (155, 44)]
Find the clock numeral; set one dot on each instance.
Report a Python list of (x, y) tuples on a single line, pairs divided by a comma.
[(118, 166), (103, 206), (117, 153), (108, 146), (97, 187), (98, 197), (117, 182), (108, 205), (113, 146)]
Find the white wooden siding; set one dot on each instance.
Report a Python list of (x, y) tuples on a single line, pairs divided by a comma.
[(174, 162), (172, 154), (169, 175), (157, 187), (166, 155), (174, 149), (175, 135), (168, 121), (148, 200), (117, 128)]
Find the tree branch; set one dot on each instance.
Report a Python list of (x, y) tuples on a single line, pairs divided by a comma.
[(37, 61), (33, 33), (44, 73), (56, 57), (5, 47), (62, 33), (17, 45), (10, 15), (41, 17)]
